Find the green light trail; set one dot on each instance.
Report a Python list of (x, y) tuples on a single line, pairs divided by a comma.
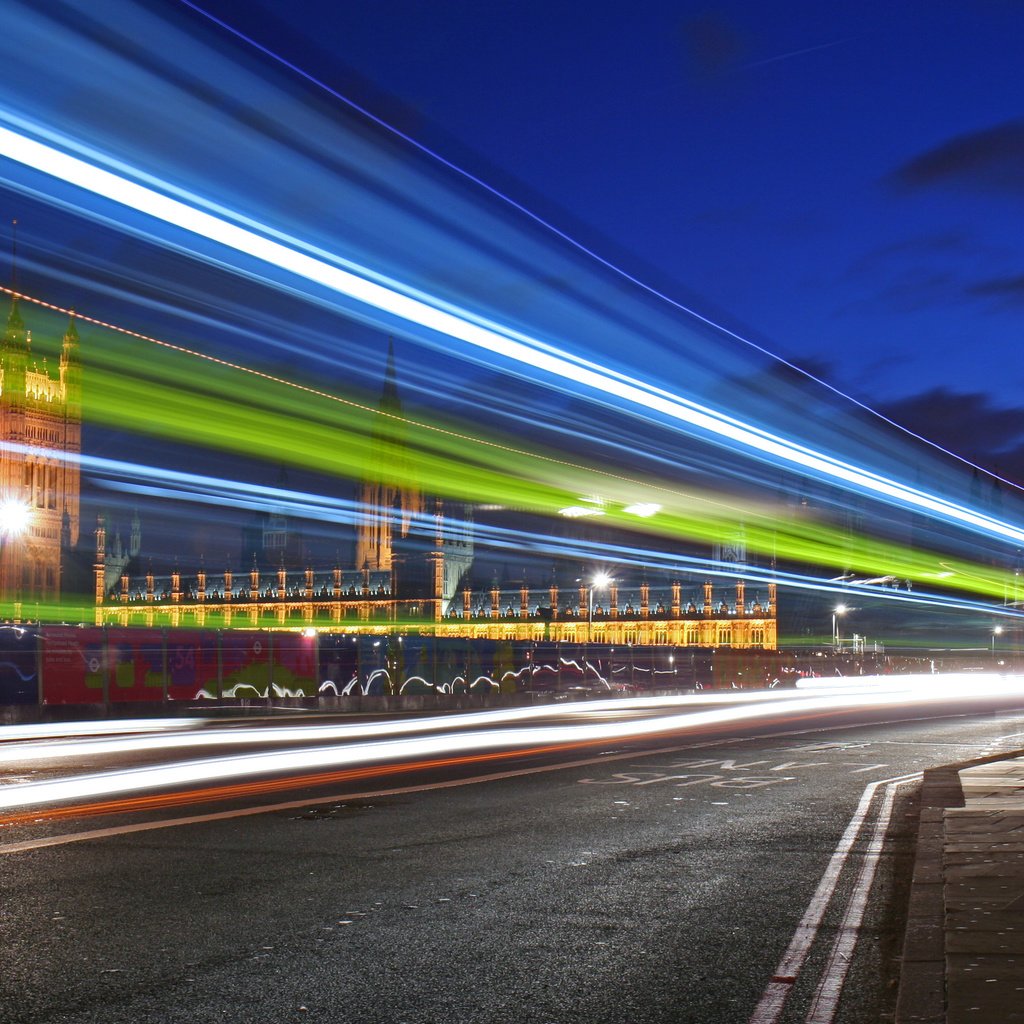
[(172, 395)]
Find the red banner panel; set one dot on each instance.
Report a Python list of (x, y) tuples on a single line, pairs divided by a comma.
[(295, 665), (251, 661), (246, 670), (191, 664), (73, 665), (135, 664)]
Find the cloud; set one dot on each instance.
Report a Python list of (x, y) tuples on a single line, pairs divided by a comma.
[(910, 290), (967, 423), (917, 247), (989, 159), (712, 44), (918, 288), (1010, 289)]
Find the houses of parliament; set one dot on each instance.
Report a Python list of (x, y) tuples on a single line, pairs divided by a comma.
[(40, 441), (412, 571)]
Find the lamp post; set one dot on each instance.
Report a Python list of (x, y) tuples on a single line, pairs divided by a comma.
[(840, 609), (600, 580), (996, 631)]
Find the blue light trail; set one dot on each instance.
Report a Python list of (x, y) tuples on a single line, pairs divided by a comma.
[(244, 235)]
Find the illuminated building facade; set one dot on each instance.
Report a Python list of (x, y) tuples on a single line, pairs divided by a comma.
[(411, 574), (353, 600), (41, 431)]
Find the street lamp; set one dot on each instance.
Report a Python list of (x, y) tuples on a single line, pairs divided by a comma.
[(996, 631), (600, 580), (14, 517), (15, 523), (840, 609)]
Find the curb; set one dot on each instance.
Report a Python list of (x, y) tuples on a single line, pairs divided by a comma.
[(922, 989), (921, 997)]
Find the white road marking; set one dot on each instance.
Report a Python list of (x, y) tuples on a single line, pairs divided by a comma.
[(830, 987), (637, 777), (775, 994)]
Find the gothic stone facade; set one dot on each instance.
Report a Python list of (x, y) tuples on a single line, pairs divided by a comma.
[(41, 435)]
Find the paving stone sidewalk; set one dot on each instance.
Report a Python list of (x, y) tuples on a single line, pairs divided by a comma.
[(963, 957)]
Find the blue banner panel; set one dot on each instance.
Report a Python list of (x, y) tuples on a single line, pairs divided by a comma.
[(19, 671), (192, 669), (339, 669)]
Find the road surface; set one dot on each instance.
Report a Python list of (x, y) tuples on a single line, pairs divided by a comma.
[(650, 880)]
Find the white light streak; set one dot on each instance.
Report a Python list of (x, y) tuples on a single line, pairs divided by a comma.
[(19, 753), (46, 730), (643, 509), (920, 691), (460, 324)]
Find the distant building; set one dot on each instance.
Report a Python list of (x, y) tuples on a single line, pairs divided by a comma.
[(412, 573), (120, 558), (424, 547), (270, 540), (40, 441), (388, 502)]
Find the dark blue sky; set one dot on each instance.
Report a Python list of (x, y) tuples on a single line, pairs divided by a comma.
[(843, 182), (841, 186)]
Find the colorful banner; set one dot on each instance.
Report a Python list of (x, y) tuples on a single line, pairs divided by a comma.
[(73, 665), (117, 664), (19, 679)]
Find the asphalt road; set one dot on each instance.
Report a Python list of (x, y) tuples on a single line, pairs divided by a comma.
[(628, 884)]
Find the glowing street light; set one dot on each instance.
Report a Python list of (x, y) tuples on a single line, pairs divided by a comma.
[(15, 517), (15, 520), (996, 631), (601, 580), (840, 609)]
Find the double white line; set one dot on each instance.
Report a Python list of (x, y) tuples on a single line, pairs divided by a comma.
[(826, 996)]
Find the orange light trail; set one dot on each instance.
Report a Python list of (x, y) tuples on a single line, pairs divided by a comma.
[(160, 801), (873, 694), (212, 794)]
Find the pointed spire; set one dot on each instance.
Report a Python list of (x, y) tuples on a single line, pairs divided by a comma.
[(14, 353), (14, 253), (389, 400), (14, 321), (71, 334)]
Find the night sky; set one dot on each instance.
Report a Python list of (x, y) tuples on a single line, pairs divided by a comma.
[(842, 183), (838, 186)]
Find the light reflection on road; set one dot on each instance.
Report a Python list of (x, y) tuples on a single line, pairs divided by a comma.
[(389, 742)]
